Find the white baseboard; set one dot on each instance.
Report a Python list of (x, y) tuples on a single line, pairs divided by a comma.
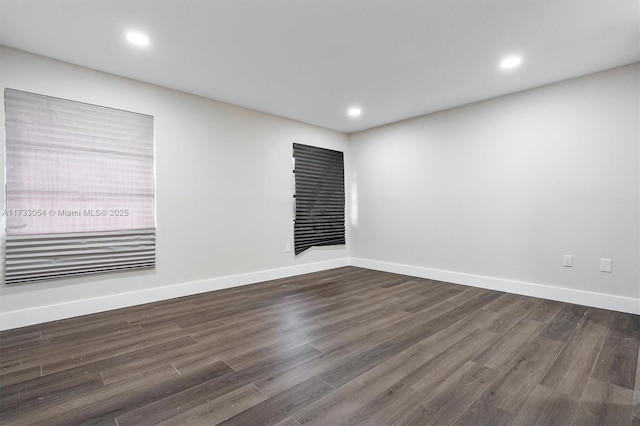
[(41, 314), (579, 297)]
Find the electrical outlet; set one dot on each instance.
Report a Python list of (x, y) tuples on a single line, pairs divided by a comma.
[(287, 248), (567, 261), (605, 265)]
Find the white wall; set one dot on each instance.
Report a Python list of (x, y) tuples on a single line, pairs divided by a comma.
[(490, 194), (495, 193), (224, 207)]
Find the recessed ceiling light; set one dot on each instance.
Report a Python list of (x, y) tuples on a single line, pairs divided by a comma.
[(354, 112), (510, 62), (137, 38)]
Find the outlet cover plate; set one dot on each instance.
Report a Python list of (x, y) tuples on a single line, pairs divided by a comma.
[(567, 261), (605, 265)]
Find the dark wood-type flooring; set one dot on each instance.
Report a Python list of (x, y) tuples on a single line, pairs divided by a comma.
[(345, 346)]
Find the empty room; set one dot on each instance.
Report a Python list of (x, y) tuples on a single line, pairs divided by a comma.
[(320, 212)]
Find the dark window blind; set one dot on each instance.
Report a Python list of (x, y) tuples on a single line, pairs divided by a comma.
[(80, 189), (319, 197)]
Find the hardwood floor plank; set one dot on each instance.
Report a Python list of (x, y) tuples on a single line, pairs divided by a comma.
[(545, 311), (342, 346), (444, 314), (283, 405), (381, 408), (463, 309), (512, 309), (347, 399), (49, 351), (160, 373), (220, 409), (299, 306), (447, 337), (596, 321), (482, 412), (289, 421), (384, 409), (418, 304), (546, 407), (274, 384), (232, 332), (110, 422), (511, 390), (274, 341), (17, 375), (618, 361), (447, 401), (469, 293), (358, 364), (604, 404), (122, 367), (397, 281), (44, 413), (562, 326), (99, 352), (626, 325), (134, 361), (439, 368), (352, 334), (162, 409), (19, 335), (20, 342), (167, 315), (379, 319), (508, 303), (118, 401), (233, 342), (503, 350), (419, 318), (84, 327), (507, 320), (200, 356), (47, 391), (571, 370)]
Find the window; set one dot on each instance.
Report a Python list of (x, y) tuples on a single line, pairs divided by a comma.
[(80, 189), (318, 197)]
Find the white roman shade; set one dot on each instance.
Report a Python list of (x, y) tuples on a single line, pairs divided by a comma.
[(79, 188)]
